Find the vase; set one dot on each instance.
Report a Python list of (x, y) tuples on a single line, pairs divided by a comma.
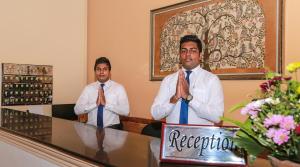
[(282, 163)]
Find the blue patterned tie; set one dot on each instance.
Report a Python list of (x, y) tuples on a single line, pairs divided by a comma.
[(100, 113), (184, 104)]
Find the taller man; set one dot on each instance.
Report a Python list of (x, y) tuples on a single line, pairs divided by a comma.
[(191, 95)]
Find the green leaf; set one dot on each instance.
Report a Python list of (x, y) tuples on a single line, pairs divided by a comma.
[(246, 127), (238, 106), (298, 151), (252, 158), (271, 75), (252, 147)]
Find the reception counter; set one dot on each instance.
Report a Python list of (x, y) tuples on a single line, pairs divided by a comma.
[(70, 143), (62, 141)]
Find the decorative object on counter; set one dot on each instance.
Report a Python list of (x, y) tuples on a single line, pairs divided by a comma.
[(241, 37), (25, 84), (196, 144), (273, 123)]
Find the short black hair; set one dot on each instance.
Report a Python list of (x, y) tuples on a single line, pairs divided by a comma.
[(102, 60), (191, 38)]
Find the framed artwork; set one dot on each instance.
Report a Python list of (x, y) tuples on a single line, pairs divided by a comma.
[(242, 39)]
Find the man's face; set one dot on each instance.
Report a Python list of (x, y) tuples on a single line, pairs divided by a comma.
[(102, 73), (189, 55)]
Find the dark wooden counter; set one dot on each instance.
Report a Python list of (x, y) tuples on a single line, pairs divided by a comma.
[(81, 142), (108, 147)]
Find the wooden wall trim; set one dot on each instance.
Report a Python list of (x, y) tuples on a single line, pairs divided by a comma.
[(134, 124), (137, 120)]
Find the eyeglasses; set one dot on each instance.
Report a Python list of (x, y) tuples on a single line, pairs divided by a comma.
[(191, 51)]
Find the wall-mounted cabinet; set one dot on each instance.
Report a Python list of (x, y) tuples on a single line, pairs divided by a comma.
[(24, 84)]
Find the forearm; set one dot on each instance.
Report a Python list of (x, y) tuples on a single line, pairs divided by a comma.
[(119, 103), (85, 102), (160, 111), (208, 111), (208, 103), (165, 101), (122, 109), (84, 108)]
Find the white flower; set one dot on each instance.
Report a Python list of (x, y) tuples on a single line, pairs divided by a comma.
[(258, 103), (277, 101), (268, 100), (272, 101)]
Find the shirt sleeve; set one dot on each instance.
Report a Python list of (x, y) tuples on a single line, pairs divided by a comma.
[(82, 105), (213, 107), (120, 104), (161, 106)]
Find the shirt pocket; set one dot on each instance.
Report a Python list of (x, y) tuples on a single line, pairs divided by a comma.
[(200, 95), (111, 98)]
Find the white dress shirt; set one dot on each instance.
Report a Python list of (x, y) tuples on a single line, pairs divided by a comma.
[(205, 108), (116, 103)]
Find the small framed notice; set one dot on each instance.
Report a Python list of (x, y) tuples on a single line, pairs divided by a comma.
[(195, 144)]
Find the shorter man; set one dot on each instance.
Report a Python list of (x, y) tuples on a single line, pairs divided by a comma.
[(103, 100)]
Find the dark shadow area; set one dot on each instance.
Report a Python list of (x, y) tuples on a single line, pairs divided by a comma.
[(64, 111), (153, 129)]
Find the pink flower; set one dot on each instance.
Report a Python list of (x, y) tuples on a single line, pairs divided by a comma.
[(271, 133), (297, 129), (244, 110), (268, 122), (252, 108), (273, 120), (287, 123), (281, 136), (253, 113)]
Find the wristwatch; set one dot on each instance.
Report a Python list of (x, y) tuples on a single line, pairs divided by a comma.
[(189, 98)]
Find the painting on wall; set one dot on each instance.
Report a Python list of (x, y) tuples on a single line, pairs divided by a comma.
[(242, 39)]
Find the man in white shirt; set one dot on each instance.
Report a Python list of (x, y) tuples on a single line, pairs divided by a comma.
[(192, 95), (103, 100)]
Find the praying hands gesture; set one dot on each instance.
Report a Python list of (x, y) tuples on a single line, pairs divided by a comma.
[(182, 88), (101, 97)]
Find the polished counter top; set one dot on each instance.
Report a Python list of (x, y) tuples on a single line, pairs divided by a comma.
[(106, 146)]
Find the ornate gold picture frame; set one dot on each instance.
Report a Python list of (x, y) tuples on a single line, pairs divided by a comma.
[(241, 38)]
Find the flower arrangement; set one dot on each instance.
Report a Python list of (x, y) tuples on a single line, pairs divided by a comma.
[(273, 122)]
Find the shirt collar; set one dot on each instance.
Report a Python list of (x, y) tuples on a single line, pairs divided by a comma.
[(194, 70), (106, 84)]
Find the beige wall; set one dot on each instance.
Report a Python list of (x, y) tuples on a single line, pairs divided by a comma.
[(47, 32), (121, 31)]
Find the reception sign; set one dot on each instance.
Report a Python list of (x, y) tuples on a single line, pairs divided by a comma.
[(208, 145)]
